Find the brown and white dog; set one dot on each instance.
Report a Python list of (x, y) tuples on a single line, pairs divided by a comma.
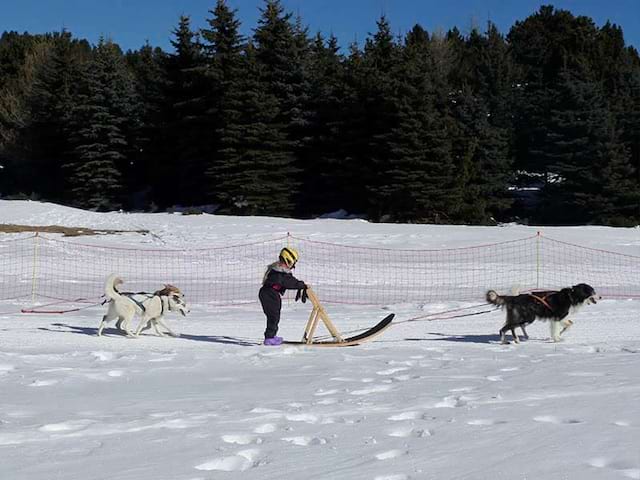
[(150, 307), (555, 306)]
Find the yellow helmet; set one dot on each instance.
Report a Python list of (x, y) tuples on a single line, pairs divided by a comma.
[(289, 256)]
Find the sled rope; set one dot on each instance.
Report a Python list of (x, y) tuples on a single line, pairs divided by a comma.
[(434, 316), (77, 309), (426, 318)]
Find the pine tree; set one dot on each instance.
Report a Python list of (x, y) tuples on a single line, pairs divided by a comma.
[(51, 101), (101, 123), (543, 46), (618, 68), (379, 87), (252, 165), (419, 176), (480, 107), (188, 128), (279, 57), (327, 177), (592, 180), (147, 66), (223, 48)]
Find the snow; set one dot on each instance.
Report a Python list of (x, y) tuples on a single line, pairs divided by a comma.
[(436, 399)]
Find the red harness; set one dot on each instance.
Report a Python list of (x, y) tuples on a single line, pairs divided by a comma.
[(542, 300)]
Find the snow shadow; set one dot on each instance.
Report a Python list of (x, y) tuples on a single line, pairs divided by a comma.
[(93, 331), (492, 338), (220, 339)]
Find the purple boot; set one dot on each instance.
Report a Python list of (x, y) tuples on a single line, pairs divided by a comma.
[(273, 341)]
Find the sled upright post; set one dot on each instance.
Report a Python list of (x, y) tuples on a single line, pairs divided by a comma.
[(318, 313)]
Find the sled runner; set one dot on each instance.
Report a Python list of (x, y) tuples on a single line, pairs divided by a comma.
[(318, 313)]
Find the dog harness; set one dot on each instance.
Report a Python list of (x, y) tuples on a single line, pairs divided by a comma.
[(138, 302), (542, 300)]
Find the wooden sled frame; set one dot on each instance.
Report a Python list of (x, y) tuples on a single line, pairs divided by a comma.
[(318, 313)]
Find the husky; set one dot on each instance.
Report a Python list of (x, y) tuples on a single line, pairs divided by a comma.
[(150, 307), (555, 306)]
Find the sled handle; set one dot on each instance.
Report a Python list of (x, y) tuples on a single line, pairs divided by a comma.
[(318, 313)]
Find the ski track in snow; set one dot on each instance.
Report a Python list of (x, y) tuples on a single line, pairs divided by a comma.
[(431, 400)]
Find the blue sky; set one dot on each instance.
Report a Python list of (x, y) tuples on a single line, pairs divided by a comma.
[(133, 22)]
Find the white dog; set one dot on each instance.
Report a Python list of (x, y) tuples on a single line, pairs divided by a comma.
[(151, 307)]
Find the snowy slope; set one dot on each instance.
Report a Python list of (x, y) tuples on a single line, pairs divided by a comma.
[(427, 400)]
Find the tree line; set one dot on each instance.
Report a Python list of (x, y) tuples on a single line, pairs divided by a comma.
[(539, 125)]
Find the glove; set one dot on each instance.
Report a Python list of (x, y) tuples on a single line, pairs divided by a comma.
[(301, 294)]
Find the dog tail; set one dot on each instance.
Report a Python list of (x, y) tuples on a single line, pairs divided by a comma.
[(110, 286), (494, 298)]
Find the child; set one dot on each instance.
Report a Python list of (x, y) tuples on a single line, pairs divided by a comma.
[(278, 279)]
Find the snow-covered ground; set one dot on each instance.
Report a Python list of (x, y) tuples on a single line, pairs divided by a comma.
[(434, 399)]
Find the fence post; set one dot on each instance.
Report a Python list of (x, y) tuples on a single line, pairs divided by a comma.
[(34, 270), (538, 241)]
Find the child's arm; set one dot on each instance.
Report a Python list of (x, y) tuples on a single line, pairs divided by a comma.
[(292, 283)]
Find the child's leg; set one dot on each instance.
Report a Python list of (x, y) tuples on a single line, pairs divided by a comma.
[(271, 306)]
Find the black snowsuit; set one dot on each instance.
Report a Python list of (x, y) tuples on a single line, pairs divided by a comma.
[(277, 280)]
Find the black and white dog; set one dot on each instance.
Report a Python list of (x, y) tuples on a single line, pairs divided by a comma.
[(150, 307), (555, 306)]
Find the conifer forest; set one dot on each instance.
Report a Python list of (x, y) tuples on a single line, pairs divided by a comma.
[(540, 124)]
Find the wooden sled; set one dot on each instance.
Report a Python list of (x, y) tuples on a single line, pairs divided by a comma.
[(318, 313)]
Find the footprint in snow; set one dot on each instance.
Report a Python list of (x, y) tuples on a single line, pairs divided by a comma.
[(408, 363), (241, 439), (390, 454), (374, 389), (162, 359), (302, 417), (70, 426), (241, 461), (303, 441), (451, 402), (462, 389), (103, 356), (405, 432), (264, 410), (391, 371), (631, 473), (405, 416), (556, 420), (485, 421), (321, 392), (265, 428), (43, 383), (626, 469)]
